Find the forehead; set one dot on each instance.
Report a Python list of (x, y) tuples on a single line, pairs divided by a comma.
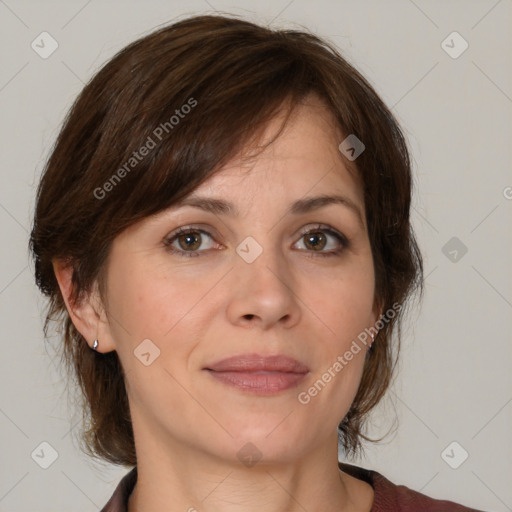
[(303, 157)]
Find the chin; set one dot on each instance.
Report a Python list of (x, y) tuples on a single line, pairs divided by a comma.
[(269, 441)]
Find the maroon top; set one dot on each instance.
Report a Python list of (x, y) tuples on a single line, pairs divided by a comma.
[(388, 497)]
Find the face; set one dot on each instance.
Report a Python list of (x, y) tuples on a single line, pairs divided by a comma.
[(267, 272)]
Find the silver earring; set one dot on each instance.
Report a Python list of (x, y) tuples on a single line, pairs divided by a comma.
[(95, 345)]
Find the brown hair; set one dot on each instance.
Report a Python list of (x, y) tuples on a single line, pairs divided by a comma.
[(233, 75)]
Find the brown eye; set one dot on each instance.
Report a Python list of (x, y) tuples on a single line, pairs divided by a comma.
[(190, 241), (322, 241), (315, 241)]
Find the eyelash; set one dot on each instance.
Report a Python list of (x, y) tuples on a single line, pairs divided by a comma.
[(342, 239)]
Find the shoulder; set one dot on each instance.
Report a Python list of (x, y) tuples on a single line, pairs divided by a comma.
[(389, 497), (119, 500)]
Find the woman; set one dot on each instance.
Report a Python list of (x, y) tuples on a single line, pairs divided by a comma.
[(224, 226)]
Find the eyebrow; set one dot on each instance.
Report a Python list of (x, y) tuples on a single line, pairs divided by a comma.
[(301, 206)]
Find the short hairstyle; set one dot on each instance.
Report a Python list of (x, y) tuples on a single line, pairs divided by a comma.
[(195, 93)]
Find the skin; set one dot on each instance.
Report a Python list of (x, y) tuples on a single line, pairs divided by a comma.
[(188, 426)]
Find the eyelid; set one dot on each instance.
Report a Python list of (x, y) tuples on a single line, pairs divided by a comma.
[(309, 228), (189, 228), (321, 227), (200, 228), (326, 228)]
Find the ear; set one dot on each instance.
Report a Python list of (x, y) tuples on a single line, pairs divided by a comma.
[(89, 315)]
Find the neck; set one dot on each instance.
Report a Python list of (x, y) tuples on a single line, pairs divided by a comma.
[(184, 479)]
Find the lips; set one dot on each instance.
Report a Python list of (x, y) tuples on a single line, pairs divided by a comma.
[(257, 374), (256, 362)]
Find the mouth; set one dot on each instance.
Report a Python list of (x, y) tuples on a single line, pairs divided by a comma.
[(257, 374)]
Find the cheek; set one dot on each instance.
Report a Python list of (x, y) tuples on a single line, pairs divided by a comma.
[(144, 299), (149, 301), (344, 305), (343, 301)]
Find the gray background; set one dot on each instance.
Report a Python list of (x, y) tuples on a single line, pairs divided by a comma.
[(455, 376)]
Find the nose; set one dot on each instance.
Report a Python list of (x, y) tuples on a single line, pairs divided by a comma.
[(262, 292)]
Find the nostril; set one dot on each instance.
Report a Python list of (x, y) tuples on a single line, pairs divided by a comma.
[(249, 317)]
